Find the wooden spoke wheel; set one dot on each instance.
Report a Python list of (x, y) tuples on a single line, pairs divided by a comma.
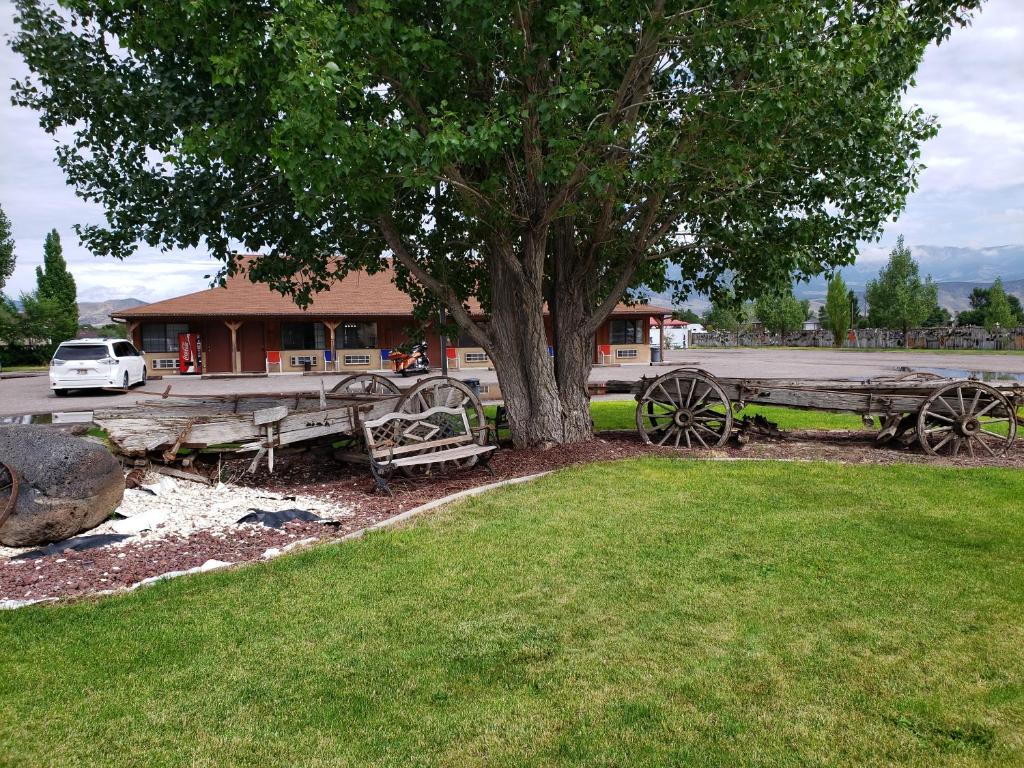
[(451, 393), (684, 408), (366, 384), (966, 416)]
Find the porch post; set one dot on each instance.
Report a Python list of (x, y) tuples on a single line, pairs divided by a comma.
[(133, 326), (332, 327), (236, 361), (661, 338)]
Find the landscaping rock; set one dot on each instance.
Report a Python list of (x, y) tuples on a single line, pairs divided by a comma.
[(66, 484)]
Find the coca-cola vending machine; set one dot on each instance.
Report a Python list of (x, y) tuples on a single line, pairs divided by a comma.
[(190, 353)]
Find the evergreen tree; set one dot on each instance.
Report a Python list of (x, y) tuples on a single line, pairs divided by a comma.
[(837, 308), (56, 290), (899, 298), (854, 308), (6, 250), (998, 311)]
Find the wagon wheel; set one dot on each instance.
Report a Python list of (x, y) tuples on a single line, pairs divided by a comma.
[(684, 407), (968, 415), (443, 390), (366, 384), (8, 491)]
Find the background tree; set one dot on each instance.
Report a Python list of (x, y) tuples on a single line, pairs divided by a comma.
[(723, 315), (855, 312), (837, 307), (548, 154), (899, 298), (938, 316), (56, 292), (979, 300), (6, 250), (998, 312), (781, 312), (686, 315)]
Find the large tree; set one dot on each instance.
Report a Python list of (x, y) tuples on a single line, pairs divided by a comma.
[(780, 311), (533, 155), (6, 250), (56, 291), (899, 298), (999, 313), (981, 299)]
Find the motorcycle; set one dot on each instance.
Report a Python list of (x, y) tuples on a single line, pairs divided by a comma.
[(414, 362)]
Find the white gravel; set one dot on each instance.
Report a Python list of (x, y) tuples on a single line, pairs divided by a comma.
[(180, 508)]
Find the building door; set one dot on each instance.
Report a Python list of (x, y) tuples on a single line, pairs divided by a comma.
[(252, 345), (216, 340)]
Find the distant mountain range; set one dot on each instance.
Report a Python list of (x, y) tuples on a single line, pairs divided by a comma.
[(956, 270), (98, 312)]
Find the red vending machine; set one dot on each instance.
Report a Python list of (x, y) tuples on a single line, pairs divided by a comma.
[(190, 353)]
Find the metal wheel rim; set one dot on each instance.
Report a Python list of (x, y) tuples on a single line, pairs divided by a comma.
[(696, 424), (960, 416), (366, 384)]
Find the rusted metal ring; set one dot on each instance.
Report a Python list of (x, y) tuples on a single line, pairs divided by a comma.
[(12, 486)]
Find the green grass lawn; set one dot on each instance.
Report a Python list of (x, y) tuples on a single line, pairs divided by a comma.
[(621, 414), (646, 613)]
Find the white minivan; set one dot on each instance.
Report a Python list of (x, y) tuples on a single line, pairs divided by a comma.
[(87, 363)]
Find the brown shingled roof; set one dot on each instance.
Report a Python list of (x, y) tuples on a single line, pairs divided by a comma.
[(359, 294)]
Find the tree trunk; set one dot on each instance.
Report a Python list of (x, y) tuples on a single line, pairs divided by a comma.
[(545, 406)]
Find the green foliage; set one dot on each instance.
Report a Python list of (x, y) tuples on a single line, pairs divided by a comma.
[(551, 154), (980, 308), (686, 315), (999, 312), (110, 330), (838, 308), (854, 302), (939, 316), (728, 313), (55, 289), (899, 298), (7, 257), (781, 312)]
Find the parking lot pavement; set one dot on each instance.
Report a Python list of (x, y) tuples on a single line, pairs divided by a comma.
[(31, 395)]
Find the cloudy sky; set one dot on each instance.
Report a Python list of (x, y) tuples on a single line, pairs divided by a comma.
[(972, 193)]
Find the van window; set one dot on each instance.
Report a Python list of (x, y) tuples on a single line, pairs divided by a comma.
[(80, 352)]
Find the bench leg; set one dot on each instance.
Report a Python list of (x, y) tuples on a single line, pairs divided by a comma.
[(485, 461), (380, 479)]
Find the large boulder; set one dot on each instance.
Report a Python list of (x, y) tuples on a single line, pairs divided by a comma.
[(66, 484)]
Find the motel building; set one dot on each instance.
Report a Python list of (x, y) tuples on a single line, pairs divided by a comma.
[(246, 327)]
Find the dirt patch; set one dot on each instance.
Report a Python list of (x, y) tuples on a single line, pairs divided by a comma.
[(75, 574)]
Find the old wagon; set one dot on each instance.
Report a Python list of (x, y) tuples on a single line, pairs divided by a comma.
[(690, 407), (261, 423)]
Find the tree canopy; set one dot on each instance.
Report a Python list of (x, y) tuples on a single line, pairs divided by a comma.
[(56, 291), (999, 313), (6, 250), (539, 157), (899, 298), (980, 299), (838, 309), (781, 312)]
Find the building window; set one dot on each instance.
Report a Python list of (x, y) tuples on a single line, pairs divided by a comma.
[(165, 363), (475, 357), (625, 332), (623, 354), (465, 340), (357, 359), (356, 336), (303, 336), (162, 337), (298, 361)]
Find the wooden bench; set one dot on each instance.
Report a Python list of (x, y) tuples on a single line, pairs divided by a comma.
[(436, 436)]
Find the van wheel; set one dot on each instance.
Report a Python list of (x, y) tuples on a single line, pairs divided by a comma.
[(60, 392), (145, 376), (124, 383)]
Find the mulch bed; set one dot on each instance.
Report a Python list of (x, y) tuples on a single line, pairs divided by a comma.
[(75, 574)]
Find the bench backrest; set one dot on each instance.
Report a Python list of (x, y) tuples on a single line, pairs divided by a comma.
[(398, 434)]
